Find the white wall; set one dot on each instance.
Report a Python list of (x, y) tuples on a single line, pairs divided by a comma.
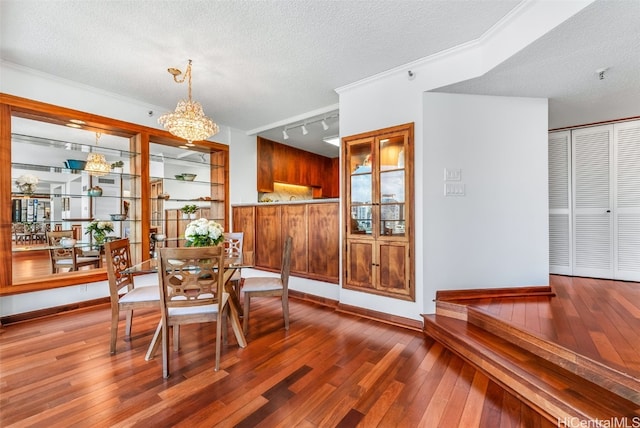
[(497, 234)]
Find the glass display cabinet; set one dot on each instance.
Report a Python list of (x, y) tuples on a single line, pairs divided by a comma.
[(378, 189)]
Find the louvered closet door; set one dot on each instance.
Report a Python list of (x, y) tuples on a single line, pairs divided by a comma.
[(627, 201), (560, 255), (592, 201)]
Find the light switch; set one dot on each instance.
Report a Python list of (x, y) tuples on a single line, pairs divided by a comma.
[(453, 189), (451, 174)]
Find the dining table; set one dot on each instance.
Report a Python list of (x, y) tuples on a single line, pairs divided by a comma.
[(231, 265)]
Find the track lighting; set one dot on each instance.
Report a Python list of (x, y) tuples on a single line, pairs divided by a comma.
[(284, 134), (304, 130), (324, 124)]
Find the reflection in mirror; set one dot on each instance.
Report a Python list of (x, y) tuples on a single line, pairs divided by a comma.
[(52, 192), (179, 177)]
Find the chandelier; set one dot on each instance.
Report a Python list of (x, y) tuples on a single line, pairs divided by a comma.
[(97, 165), (188, 120)]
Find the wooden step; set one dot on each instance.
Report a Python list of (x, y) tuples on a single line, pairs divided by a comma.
[(594, 371), (558, 394)]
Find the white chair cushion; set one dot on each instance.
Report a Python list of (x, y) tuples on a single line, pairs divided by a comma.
[(141, 294), (87, 259), (193, 310), (259, 283)]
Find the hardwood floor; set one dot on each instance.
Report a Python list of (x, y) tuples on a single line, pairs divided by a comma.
[(330, 369), (572, 354), (597, 319)]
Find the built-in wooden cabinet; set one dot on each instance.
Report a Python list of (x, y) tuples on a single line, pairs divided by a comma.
[(313, 226), (378, 212), (30, 144), (279, 163)]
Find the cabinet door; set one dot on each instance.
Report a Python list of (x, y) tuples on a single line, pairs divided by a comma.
[(359, 264), (324, 240), (294, 224), (268, 237), (393, 268), (359, 184), (244, 221)]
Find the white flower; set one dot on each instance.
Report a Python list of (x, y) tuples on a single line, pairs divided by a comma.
[(27, 179), (203, 232)]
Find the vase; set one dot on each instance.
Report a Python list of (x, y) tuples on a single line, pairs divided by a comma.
[(192, 216), (99, 238)]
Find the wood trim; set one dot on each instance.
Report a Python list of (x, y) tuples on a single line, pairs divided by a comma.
[(482, 293), (5, 190), (408, 323)]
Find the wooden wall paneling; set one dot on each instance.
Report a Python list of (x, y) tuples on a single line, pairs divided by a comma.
[(268, 237), (294, 224), (324, 240)]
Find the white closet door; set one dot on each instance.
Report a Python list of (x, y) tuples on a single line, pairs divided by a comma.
[(627, 201), (560, 254), (592, 201)]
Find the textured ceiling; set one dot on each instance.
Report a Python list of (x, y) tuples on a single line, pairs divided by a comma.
[(254, 62), (563, 67), (261, 63)]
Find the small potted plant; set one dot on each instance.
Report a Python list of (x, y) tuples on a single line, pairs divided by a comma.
[(117, 167), (189, 211)]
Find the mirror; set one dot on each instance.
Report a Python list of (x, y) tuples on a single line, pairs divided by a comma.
[(51, 191)]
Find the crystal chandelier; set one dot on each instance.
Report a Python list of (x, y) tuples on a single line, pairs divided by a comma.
[(188, 120), (97, 165)]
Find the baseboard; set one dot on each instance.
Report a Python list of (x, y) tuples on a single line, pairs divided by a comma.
[(40, 313)]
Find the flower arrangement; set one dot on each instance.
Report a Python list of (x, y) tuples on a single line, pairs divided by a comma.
[(203, 233), (99, 229), (27, 183)]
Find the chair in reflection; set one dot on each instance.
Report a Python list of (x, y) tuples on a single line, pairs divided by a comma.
[(125, 296), (67, 257), (191, 291), (20, 233), (270, 286)]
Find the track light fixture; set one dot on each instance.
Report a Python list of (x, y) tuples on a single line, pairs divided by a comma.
[(304, 125)]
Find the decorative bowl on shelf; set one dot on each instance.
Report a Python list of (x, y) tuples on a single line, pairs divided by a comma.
[(75, 164), (164, 196), (188, 177), (94, 191), (179, 177), (118, 217)]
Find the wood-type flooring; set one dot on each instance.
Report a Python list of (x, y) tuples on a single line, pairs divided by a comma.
[(330, 369)]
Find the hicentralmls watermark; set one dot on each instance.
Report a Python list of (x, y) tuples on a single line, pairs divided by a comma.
[(613, 422)]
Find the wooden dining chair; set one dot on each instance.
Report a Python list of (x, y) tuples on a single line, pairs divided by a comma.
[(125, 296), (191, 291), (259, 286), (67, 257)]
